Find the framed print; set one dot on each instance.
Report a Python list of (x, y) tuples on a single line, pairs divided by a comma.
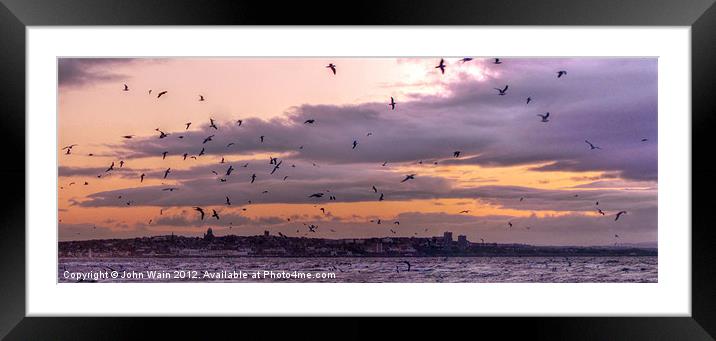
[(497, 168)]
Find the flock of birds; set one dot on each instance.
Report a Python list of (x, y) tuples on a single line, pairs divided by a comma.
[(275, 163)]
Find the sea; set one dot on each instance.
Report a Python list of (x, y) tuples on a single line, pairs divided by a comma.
[(361, 270)]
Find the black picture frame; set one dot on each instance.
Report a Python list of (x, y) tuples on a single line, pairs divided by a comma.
[(15, 15)]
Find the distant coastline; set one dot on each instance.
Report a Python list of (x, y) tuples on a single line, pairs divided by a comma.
[(267, 245)]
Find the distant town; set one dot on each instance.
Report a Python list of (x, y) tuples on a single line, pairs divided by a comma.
[(267, 245)]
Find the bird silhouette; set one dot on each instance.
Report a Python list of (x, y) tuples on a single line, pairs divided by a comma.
[(141, 178), (591, 146), (561, 73), (127, 136), (316, 195), (202, 151), (164, 155), (253, 177), (228, 201), (275, 168), (208, 138), (545, 117), (309, 121), (392, 103), (212, 124), (619, 214), (200, 210), (355, 144), (382, 196), (187, 125), (441, 66), (409, 177), (111, 167), (228, 170), (332, 67), (161, 94), (497, 61), (126, 88), (456, 153), (502, 91), (465, 60), (214, 214), (529, 99), (166, 172), (375, 189), (201, 98), (239, 122), (261, 138), (600, 211)]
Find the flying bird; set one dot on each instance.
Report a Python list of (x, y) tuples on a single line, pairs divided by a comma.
[(261, 138), (161, 93), (355, 144), (409, 177), (200, 210), (141, 178), (309, 122), (561, 73), (164, 155), (381, 197), (275, 168), (170, 189), (545, 117), (316, 195), (497, 61), (465, 60), (441, 66), (187, 125), (214, 214), (465, 211), (201, 98), (121, 163), (111, 167), (253, 177), (228, 202), (228, 170), (392, 103), (600, 211), (591, 146), (166, 172), (212, 124), (127, 136), (644, 140), (456, 153), (375, 189), (332, 67), (126, 88), (239, 122), (202, 151), (502, 91), (161, 133), (529, 99), (208, 138), (509, 223), (619, 214)]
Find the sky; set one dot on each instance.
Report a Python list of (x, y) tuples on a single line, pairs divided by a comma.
[(516, 179)]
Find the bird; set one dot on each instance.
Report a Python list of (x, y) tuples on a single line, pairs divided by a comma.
[(126, 88), (127, 136), (185, 155), (561, 73), (392, 231), (161, 93), (502, 91), (201, 98), (309, 121), (619, 214), (230, 144), (591, 146), (509, 223), (409, 177), (214, 214), (253, 177), (212, 124), (375, 189), (545, 117), (312, 228), (407, 263), (208, 138), (465, 211), (166, 172), (323, 210), (285, 177), (316, 195), (529, 99), (121, 163), (161, 133), (261, 138), (111, 167), (276, 166), (385, 163), (239, 122), (187, 125), (381, 197), (441, 66), (170, 189), (465, 60), (202, 151), (392, 103), (355, 144), (228, 170), (644, 140), (600, 211), (332, 67), (228, 201), (456, 153), (141, 178), (497, 61), (396, 223), (200, 210), (164, 155)]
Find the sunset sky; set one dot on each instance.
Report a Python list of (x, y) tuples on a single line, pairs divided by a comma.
[(542, 177)]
